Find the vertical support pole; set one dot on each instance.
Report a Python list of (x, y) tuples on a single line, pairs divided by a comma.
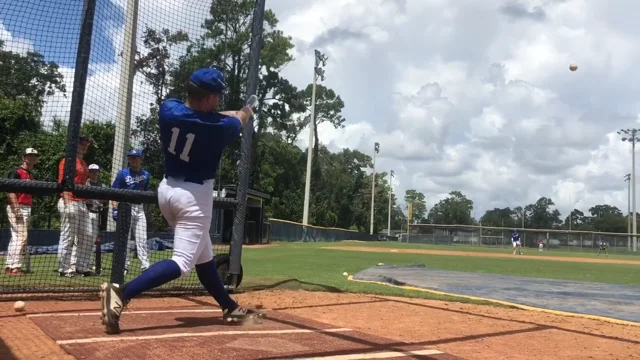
[(123, 226), (125, 95), (247, 135), (77, 95)]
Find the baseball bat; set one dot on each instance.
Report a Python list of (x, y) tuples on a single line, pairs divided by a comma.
[(98, 270)]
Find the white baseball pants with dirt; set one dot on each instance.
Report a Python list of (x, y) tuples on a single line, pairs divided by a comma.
[(17, 252), (188, 208), (75, 227), (138, 229)]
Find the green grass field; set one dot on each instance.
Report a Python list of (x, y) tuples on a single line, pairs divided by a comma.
[(308, 266)]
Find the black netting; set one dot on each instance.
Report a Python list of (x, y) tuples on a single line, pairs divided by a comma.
[(81, 82)]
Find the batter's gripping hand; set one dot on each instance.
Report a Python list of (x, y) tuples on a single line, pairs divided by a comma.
[(114, 214)]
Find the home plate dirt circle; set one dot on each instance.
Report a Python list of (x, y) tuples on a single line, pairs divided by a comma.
[(199, 333)]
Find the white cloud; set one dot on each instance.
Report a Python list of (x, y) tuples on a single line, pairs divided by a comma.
[(470, 97), (16, 44)]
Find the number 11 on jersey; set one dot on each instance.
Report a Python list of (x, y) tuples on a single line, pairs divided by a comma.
[(187, 146)]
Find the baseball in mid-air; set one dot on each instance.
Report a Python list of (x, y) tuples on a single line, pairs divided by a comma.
[(345, 273), (19, 306), (573, 67)]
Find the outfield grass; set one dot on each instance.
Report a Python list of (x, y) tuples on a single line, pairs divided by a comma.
[(309, 262), (308, 266), (586, 253)]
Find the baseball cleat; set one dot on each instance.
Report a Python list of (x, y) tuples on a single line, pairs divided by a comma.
[(242, 316), (112, 303)]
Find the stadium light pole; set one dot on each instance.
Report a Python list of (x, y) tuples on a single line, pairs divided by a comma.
[(125, 95), (628, 178), (318, 72), (390, 193), (632, 137), (376, 149)]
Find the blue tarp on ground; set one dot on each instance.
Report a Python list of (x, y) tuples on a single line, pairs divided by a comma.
[(599, 299)]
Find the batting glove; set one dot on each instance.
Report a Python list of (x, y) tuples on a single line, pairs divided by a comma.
[(114, 214)]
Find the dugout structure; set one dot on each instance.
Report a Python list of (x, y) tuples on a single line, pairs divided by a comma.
[(101, 69)]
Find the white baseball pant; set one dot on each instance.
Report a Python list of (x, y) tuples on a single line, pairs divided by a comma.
[(19, 233), (94, 230), (74, 223), (188, 208), (138, 228)]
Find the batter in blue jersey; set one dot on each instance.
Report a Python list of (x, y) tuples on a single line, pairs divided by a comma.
[(194, 135), (134, 178)]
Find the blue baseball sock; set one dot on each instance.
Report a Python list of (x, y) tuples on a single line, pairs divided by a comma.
[(210, 279), (158, 274)]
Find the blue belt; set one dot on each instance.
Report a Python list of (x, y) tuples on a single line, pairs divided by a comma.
[(186, 179)]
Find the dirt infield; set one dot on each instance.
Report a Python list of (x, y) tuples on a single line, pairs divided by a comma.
[(481, 254), (310, 324)]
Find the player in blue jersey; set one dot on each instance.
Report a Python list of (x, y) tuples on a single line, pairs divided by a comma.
[(193, 136), (134, 178), (515, 239)]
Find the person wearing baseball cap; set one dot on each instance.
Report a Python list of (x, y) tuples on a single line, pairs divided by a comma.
[(19, 214), (74, 220), (134, 178), (98, 209)]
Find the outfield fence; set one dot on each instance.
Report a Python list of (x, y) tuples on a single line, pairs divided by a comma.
[(288, 231), (554, 240)]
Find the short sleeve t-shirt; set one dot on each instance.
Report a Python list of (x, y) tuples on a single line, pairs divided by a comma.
[(194, 141), (82, 175), (22, 174)]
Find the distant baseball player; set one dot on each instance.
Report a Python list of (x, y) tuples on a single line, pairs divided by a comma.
[(603, 247), (74, 221), (134, 178), (19, 214), (515, 239), (540, 245), (193, 136)]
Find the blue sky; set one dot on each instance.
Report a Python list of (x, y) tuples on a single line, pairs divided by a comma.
[(54, 27)]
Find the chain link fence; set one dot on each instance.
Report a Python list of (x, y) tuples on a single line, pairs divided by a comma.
[(553, 240)]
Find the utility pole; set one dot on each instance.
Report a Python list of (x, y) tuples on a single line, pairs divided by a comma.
[(125, 95), (628, 178), (318, 72), (376, 149), (632, 137), (390, 193)]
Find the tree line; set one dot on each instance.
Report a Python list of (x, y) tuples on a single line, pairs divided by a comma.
[(340, 181)]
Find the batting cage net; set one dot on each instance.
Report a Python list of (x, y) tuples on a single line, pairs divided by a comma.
[(81, 159)]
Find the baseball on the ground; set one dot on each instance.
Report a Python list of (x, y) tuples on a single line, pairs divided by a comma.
[(345, 273), (380, 264), (19, 306)]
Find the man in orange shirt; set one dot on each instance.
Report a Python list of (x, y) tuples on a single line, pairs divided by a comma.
[(75, 221)]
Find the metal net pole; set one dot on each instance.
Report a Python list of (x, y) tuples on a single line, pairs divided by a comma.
[(77, 96), (247, 134)]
